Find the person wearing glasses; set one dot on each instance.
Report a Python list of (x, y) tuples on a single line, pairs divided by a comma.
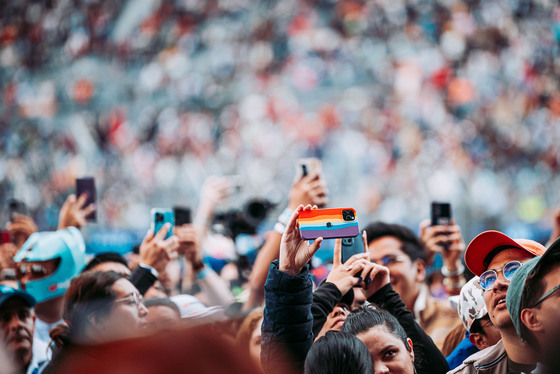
[(533, 301), (98, 307), (400, 250), (495, 257)]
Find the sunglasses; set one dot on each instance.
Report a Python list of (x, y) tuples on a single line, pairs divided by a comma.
[(489, 277)]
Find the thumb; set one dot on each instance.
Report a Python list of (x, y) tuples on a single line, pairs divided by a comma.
[(337, 253)]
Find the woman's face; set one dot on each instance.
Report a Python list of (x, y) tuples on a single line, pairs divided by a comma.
[(255, 343), (388, 352), (127, 315)]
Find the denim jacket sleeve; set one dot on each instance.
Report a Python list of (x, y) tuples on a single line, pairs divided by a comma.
[(287, 325)]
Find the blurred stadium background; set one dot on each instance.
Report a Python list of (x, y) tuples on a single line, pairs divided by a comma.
[(405, 102)]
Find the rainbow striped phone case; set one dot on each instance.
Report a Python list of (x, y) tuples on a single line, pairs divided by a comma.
[(328, 223)]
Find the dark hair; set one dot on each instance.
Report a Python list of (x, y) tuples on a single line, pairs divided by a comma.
[(534, 289), (162, 301), (338, 352), (105, 257), (89, 295), (476, 326), (411, 244), (368, 316)]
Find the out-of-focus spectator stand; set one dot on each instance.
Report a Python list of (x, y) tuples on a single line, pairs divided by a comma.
[(453, 101)]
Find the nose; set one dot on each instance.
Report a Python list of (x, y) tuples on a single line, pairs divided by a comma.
[(340, 311), (380, 368), (501, 283), (142, 310), (14, 323)]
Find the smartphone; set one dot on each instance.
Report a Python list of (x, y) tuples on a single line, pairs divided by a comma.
[(352, 246), (183, 215), (306, 166), (16, 206), (5, 237), (160, 217), (441, 213), (87, 186), (328, 223)]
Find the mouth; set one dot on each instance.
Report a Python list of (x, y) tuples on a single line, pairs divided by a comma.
[(337, 323), (500, 301)]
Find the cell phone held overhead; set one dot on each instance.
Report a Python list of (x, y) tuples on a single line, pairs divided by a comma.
[(87, 186), (328, 223), (441, 213), (160, 217)]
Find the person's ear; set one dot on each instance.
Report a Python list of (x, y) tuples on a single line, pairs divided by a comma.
[(479, 340), (530, 318), (420, 270), (410, 350)]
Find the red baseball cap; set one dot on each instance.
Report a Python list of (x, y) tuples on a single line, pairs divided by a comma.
[(486, 242)]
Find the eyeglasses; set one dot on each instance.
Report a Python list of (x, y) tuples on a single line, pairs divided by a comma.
[(489, 277), (546, 295), (390, 260), (133, 298)]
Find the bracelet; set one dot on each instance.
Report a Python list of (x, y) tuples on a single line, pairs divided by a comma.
[(284, 218), (279, 227), (454, 285), (446, 273)]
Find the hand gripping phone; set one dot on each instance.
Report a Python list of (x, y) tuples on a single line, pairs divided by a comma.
[(160, 217), (328, 223)]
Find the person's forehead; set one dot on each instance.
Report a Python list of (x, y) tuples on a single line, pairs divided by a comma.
[(114, 266), (386, 245), (378, 337), (507, 255)]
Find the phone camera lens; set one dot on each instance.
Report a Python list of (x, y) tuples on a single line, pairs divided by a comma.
[(348, 215), (159, 217)]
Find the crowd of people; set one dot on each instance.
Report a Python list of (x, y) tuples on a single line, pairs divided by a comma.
[(210, 104), (493, 308)]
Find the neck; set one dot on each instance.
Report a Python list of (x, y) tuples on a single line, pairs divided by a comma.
[(517, 350), (411, 300), (50, 311)]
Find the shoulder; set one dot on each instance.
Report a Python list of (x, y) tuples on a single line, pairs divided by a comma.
[(484, 359)]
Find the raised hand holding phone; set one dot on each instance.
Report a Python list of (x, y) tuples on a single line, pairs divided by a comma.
[(347, 274), (296, 252)]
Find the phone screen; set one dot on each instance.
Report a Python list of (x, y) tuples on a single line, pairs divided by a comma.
[(87, 186)]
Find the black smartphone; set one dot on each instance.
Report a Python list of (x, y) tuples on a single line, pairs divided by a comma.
[(441, 213), (183, 215), (350, 247), (87, 186), (16, 206)]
